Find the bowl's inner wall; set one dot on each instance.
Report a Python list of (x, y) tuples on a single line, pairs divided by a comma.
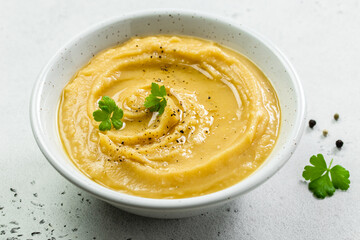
[(77, 53)]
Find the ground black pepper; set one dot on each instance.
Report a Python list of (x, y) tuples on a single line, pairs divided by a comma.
[(14, 230)]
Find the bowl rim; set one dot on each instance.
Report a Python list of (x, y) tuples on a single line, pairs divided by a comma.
[(184, 203)]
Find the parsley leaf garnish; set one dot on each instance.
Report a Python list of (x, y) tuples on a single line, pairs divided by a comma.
[(109, 113), (156, 101), (319, 175)]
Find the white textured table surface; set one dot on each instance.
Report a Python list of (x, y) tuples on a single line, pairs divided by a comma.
[(322, 40)]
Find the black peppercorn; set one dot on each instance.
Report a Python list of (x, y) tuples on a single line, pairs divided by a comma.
[(312, 123), (339, 143)]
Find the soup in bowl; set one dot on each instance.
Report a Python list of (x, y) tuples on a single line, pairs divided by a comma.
[(232, 114)]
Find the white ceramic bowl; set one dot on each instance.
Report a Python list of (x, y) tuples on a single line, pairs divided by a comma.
[(75, 54)]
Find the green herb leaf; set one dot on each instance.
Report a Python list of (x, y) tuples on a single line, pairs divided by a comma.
[(155, 89), (100, 115), (319, 175), (107, 104), (151, 101), (162, 90), (156, 101), (115, 119), (117, 124), (313, 172), (340, 177), (105, 125), (162, 106), (322, 186), (109, 114)]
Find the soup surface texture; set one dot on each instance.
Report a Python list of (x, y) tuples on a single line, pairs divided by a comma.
[(221, 121)]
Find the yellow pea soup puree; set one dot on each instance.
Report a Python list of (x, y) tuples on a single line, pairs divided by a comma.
[(221, 121)]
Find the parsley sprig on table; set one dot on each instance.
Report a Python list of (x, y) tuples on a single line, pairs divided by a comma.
[(319, 175), (156, 101), (108, 114)]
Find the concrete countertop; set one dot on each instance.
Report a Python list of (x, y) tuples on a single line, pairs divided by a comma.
[(321, 39)]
